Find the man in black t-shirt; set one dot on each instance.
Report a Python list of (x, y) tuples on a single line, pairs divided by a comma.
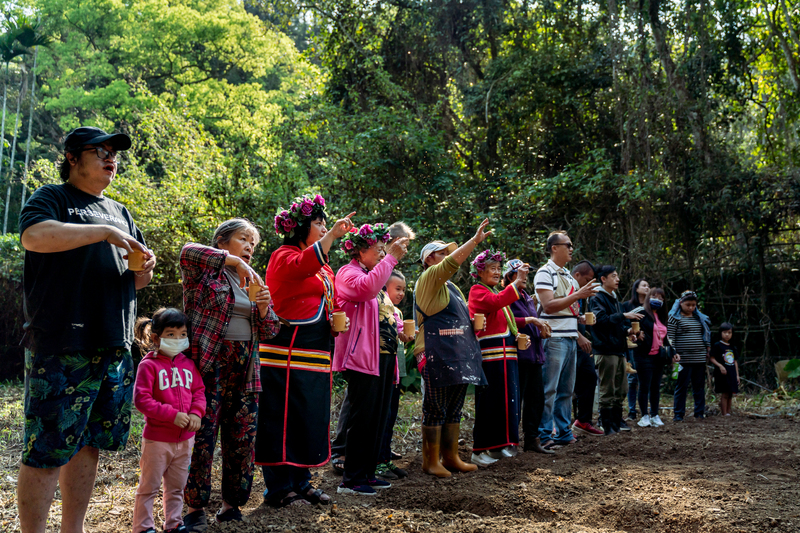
[(80, 305)]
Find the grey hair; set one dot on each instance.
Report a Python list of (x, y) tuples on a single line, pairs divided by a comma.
[(226, 230), (401, 229)]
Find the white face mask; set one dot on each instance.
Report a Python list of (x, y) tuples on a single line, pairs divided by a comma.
[(173, 347)]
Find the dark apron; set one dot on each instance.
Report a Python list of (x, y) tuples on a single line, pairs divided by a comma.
[(294, 418), (452, 352)]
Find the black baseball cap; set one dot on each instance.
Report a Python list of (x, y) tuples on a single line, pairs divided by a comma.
[(80, 137)]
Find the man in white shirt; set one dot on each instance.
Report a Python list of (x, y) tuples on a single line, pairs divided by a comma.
[(558, 295)]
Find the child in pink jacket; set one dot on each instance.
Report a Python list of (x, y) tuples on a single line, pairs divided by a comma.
[(169, 392)]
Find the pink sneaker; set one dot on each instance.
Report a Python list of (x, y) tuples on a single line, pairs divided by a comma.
[(585, 428)]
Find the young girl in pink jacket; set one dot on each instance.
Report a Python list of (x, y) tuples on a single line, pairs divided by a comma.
[(169, 392)]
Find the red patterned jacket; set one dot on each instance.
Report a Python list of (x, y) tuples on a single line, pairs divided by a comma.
[(302, 284), (208, 302)]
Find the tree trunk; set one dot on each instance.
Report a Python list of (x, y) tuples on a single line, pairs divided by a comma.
[(766, 322), (3, 122), (676, 81), (10, 178), (30, 131)]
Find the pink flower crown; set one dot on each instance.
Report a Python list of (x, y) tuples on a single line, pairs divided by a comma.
[(485, 257), (365, 237), (304, 207)]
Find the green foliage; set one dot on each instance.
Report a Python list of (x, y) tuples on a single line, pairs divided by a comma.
[(662, 135), (792, 368), (12, 257)]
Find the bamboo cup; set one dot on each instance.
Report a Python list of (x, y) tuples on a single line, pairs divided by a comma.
[(136, 261), (339, 321)]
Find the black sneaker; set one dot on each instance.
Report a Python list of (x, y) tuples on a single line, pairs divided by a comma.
[(180, 529), (195, 522), (378, 484), (356, 490), (396, 456), (231, 515), (623, 426), (399, 472), (150, 530)]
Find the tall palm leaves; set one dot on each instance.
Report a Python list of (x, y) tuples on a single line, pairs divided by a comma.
[(22, 35)]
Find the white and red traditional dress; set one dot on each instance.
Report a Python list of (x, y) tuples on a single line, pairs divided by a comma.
[(497, 405)]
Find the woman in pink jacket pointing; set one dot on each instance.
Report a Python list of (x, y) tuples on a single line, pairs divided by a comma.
[(369, 373)]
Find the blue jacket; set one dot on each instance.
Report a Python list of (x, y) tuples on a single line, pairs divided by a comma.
[(704, 320)]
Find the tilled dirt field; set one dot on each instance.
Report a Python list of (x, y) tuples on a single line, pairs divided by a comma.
[(738, 474)]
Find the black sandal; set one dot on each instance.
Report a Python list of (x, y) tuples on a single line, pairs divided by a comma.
[(315, 497), (337, 464), (285, 501)]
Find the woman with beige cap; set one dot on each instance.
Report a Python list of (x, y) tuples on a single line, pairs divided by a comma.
[(447, 352)]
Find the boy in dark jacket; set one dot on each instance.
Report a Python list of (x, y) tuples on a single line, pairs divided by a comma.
[(610, 334)]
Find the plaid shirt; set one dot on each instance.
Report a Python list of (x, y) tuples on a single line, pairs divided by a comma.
[(208, 302)]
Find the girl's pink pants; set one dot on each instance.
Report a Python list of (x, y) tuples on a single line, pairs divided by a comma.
[(170, 461)]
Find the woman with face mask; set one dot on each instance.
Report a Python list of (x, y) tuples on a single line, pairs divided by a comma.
[(650, 356)]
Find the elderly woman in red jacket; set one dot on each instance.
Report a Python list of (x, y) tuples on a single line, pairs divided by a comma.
[(497, 406), (294, 419)]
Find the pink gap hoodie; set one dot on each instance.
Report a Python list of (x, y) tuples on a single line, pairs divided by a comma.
[(165, 387)]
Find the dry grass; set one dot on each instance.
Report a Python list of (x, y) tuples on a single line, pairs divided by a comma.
[(118, 473)]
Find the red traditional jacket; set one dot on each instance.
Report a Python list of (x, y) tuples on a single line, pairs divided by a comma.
[(208, 302), (301, 284), (483, 300)]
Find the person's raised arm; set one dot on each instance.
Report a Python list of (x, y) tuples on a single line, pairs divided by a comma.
[(463, 252), (339, 229)]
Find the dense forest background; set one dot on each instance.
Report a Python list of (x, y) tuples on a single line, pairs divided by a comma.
[(663, 135)]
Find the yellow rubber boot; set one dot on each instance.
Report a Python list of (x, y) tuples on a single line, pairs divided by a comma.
[(431, 439), (450, 457)]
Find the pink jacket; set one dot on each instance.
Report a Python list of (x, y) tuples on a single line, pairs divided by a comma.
[(357, 290), (165, 387)]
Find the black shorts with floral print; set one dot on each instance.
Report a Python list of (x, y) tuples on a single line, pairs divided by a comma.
[(74, 400)]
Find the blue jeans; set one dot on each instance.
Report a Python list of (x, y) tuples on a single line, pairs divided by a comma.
[(558, 374), (633, 384)]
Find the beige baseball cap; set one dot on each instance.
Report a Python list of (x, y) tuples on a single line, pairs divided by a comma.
[(435, 246)]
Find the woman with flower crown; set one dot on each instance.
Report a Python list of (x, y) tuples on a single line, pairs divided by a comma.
[(497, 406), (369, 370), (294, 414)]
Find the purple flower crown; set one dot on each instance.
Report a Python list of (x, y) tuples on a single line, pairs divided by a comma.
[(487, 256), (286, 220), (365, 236)]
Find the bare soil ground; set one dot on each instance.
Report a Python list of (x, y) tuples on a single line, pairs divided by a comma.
[(738, 474)]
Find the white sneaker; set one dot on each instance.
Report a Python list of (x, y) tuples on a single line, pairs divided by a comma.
[(644, 422), (656, 422), (496, 454), (510, 451), (482, 459)]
